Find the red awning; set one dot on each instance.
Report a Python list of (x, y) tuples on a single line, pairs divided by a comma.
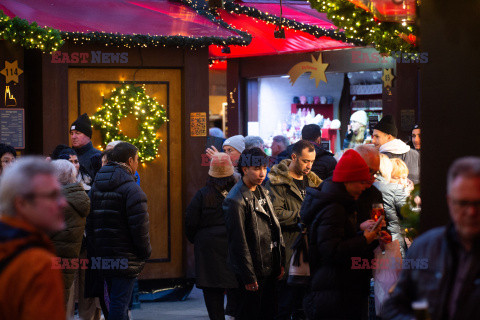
[(264, 42), (161, 18)]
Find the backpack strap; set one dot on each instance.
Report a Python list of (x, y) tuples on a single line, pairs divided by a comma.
[(6, 261)]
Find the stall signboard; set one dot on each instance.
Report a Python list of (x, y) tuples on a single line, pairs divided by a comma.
[(198, 124), (12, 127)]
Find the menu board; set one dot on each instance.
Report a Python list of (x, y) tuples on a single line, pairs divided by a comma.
[(12, 127)]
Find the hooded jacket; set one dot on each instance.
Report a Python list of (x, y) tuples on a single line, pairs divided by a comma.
[(399, 149), (68, 242), (118, 225), (250, 235), (287, 201), (30, 286), (323, 165), (336, 288)]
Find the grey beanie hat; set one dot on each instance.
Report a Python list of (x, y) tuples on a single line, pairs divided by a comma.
[(237, 142)]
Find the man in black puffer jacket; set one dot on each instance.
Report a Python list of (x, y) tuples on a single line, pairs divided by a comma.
[(118, 227), (324, 161)]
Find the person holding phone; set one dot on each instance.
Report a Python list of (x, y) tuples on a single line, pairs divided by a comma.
[(337, 289)]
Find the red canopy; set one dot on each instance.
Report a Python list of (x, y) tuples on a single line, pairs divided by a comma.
[(144, 17), (264, 42)]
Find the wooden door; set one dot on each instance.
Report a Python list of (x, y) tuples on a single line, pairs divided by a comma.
[(160, 179)]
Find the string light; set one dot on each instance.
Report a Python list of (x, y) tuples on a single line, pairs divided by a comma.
[(29, 35), (363, 26), (126, 100), (314, 30)]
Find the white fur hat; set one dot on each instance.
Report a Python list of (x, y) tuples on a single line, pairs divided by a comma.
[(360, 117)]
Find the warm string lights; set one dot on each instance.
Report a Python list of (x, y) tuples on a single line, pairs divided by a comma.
[(131, 100), (362, 25), (144, 41), (29, 35), (314, 30)]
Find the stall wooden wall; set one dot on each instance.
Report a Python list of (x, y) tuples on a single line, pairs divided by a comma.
[(172, 186)]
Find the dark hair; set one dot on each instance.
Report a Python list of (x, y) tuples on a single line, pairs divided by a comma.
[(58, 149), (221, 184), (66, 153), (107, 154), (123, 151), (6, 148), (253, 157), (300, 145), (311, 132)]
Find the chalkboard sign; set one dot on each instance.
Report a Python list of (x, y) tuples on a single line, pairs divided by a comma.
[(12, 127)]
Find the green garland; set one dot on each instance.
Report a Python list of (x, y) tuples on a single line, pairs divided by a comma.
[(360, 24), (316, 31), (139, 40), (131, 100), (29, 35)]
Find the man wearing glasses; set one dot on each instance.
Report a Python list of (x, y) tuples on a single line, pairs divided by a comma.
[(31, 205), (449, 288)]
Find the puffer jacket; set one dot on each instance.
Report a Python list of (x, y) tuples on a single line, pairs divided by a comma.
[(323, 165), (394, 197), (118, 225), (287, 201), (250, 237), (69, 241), (432, 262), (336, 290)]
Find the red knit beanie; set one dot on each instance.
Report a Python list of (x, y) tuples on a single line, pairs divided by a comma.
[(351, 167)]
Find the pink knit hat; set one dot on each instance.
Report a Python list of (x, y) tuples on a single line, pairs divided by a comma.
[(220, 166)]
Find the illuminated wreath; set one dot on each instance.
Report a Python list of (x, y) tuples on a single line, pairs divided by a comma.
[(130, 100)]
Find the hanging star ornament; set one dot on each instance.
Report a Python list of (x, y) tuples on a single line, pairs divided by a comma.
[(387, 78), (11, 71), (316, 68)]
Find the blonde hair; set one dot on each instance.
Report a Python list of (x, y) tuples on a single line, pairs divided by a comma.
[(386, 167), (399, 169)]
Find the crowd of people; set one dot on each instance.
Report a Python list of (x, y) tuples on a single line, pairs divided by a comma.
[(249, 230), (74, 227), (246, 235)]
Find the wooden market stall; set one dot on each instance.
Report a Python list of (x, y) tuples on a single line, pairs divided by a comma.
[(161, 46)]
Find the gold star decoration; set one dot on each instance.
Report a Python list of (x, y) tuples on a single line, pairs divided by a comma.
[(11, 71), (316, 68), (387, 78)]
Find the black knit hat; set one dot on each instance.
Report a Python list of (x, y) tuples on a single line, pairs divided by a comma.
[(387, 125), (83, 125)]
